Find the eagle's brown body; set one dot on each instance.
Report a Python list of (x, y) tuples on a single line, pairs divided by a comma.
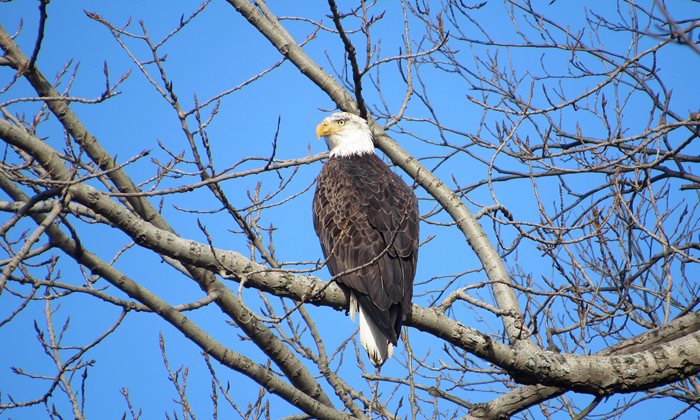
[(366, 218)]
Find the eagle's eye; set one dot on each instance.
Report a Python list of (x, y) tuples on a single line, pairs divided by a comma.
[(341, 122)]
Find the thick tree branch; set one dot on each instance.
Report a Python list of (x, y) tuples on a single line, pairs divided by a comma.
[(526, 396)]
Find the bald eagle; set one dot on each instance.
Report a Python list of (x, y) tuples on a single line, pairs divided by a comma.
[(366, 219)]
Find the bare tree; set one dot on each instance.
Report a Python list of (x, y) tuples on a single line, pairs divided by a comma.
[(552, 143)]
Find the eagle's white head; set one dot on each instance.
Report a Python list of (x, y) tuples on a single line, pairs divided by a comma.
[(346, 134)]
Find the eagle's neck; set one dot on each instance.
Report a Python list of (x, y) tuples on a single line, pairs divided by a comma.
[(355, 143)]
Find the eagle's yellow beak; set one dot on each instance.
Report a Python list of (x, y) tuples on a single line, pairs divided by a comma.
[(325, 129)]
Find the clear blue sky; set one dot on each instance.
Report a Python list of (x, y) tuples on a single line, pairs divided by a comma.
[(219, 51)]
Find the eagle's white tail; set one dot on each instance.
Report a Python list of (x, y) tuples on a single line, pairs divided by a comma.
[(378, 346)]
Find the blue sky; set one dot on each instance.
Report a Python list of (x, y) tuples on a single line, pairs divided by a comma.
[(220, 50)]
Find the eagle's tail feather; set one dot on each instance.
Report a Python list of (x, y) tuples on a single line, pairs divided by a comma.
[(378, 346)]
